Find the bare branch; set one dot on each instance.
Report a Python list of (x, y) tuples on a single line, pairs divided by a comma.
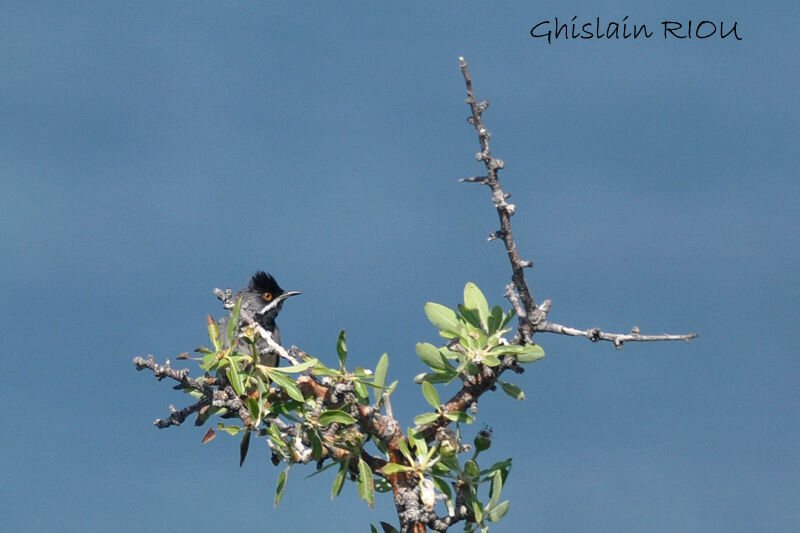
[(532, 318), (504, 210), (595, 334)]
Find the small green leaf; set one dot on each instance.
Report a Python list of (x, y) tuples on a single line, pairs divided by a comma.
[(366, 488), (302, 367), (432, 357), (243, 447), (286, 384), (429, 391), (230, 430), (426, 418), (380, 377), (490, 360), (461, 417), (252, 406), (532, 353), (497, 513), (495, 319), (361, 392), (475, 300), (497, 488), (477, 508), (470, 315), (443, 486), (341, 348), (442, 317), (338, 481), (316, 445), (435, 377), (511, 314), (512, 390), (471, 468), (505, 349), (213, 333), (418, 440), (404, 450), (281, 486), (335, 416), (235, 379), (393, 468)]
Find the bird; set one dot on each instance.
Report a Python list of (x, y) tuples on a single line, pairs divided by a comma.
[(262, 299)]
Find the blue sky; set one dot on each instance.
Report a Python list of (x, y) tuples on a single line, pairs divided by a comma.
[(151, 152)]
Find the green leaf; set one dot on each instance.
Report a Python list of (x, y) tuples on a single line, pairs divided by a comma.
[(341, 348), (432, 357), (470, 315), (471, 468), (504, 467), (335, 416), (429, 391), (442, 317), (497, 488), (274, 435), (252, 406), (361, 392), (497, 513), (373, 529), (302, 367), (426, 418), (418, 440), (338, 481), (512, 390), (366, 488), (243, 447), (443, 487), (461, 417), (393, 468), (286, 384), (213, 333), (435, 377), (477, 508), (379, 381), (490, 360), (505, 349), (230, 430), (495, 319), (532, 353), (475, 300), (511, 314), (281, 486), (235, 379), (316, 445), (404, 450)]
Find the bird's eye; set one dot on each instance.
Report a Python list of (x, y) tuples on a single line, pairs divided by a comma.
[(267, 296)]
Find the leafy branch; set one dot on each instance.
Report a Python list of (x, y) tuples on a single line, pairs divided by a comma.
[(342, 420)]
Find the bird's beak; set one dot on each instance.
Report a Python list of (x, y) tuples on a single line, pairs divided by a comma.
[(287, 294)]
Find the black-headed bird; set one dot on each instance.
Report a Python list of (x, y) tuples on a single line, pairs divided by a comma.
[(262, 299)]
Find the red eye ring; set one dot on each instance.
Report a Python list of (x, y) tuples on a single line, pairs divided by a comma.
[(267, 296)]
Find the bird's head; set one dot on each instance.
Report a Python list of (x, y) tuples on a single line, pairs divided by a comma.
[(270, 293)]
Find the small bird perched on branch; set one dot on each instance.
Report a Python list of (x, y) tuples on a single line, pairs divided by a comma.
[(262, 299)]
